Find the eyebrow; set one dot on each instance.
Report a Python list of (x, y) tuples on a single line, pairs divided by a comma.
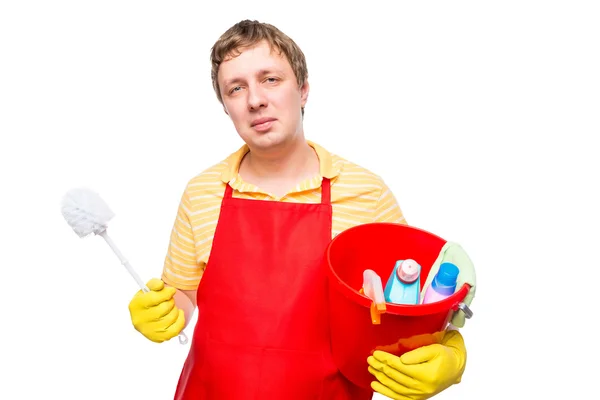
[(262, 72)]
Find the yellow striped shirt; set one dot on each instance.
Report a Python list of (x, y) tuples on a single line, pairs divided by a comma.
[(358, 196)]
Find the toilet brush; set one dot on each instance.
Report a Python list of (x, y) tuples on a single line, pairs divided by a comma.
[(86, 213)]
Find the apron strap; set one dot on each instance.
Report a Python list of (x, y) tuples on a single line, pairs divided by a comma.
[(228, 191), (325, 191)]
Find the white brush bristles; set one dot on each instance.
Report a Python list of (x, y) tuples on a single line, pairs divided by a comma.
[(85, 211)]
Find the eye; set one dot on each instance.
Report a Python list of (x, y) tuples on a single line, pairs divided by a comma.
[(271, 80), (235, 89)]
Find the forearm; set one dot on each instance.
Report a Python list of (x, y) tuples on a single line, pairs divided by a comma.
[(186, 301)]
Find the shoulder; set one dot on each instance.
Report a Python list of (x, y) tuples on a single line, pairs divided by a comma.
[(344, 172), (360, 196), (352, 171), (356, 180), (210, 183)]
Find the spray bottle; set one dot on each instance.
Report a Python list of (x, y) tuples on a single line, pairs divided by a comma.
[(403, 285)]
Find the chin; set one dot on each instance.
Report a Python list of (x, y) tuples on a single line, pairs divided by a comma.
[(266, 140)]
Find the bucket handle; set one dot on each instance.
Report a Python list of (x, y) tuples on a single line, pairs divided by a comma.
[(466, 310)]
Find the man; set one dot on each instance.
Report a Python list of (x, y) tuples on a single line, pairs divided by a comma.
[(247, 245)]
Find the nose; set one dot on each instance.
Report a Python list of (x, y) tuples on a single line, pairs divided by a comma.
[(256, 98)]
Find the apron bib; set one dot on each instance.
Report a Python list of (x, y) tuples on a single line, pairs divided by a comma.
[(263, 327)]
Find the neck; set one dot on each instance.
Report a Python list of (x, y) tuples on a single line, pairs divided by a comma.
[(293, 159), (279, 170)]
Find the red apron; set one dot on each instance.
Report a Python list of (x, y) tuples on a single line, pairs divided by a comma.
[(263, 328)]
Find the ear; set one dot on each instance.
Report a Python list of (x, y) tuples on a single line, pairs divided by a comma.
[(304, 92)]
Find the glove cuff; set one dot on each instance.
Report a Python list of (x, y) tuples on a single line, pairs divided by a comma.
[(454, 340)]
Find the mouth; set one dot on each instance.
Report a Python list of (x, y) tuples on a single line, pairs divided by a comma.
[(261, 121), (263, 124)]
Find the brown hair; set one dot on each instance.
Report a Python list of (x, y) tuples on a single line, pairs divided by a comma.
[(247, 33)]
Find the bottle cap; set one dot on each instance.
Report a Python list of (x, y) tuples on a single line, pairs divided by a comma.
[(447, 275), (408, 271)]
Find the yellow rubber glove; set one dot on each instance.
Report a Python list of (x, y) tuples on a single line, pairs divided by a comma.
[(154, 313), (421, 373)]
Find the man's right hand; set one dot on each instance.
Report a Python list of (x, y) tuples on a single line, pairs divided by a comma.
[(154, 313)]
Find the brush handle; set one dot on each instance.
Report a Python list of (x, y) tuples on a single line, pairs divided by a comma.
[(182, 337)]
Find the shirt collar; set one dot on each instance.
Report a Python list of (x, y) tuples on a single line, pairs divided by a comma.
[(326, 167)]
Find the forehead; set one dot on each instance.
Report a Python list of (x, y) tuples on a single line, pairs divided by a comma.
[(253, 60)]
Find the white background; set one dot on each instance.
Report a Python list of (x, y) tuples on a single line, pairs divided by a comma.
[(483, 118)]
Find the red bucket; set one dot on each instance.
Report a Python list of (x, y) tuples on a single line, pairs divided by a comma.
[(377, 246)]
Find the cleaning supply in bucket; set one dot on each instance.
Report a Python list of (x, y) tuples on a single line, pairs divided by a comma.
[(373, 289), (404, 283), (454, 253), (443, 284)]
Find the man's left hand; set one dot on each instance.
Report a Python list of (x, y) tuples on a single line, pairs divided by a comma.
[(421, 373)]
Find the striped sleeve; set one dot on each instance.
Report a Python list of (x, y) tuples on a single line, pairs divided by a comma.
[(181, 270), (388, 209)]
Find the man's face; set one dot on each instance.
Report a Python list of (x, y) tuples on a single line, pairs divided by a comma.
[(261, 96)]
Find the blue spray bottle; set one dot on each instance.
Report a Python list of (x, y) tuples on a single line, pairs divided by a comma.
[(404, 283)]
